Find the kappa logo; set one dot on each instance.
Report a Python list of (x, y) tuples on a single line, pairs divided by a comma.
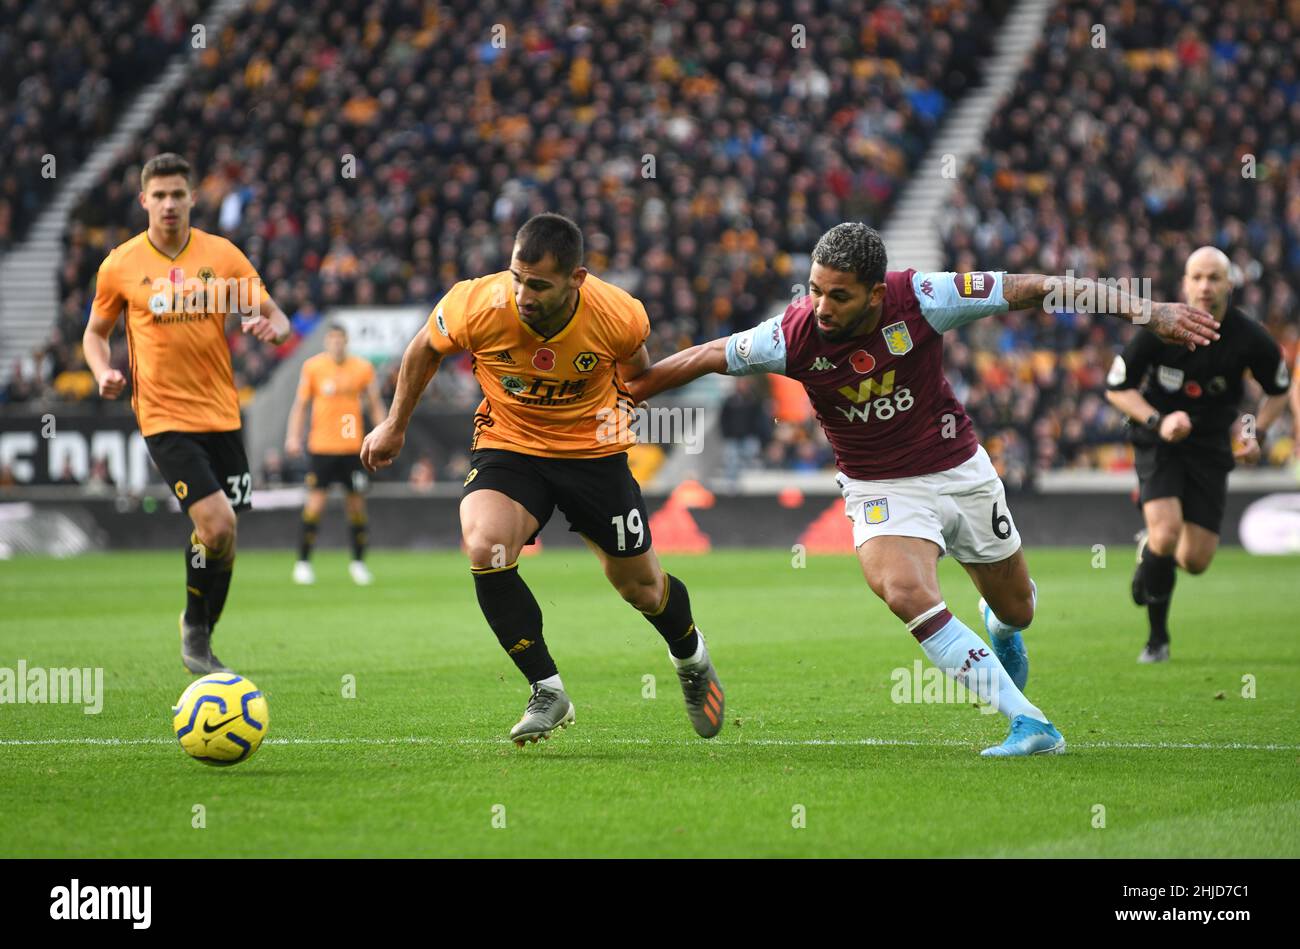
[(1170, 379), (897, 339), (821, 364), (182, 489), (875, 511), (585, 362), (927, 288)]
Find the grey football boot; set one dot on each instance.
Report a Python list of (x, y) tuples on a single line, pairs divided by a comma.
[(705, 704), (547, 710), (196, 649)]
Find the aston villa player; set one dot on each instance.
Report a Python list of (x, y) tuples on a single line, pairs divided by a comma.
[(552, 347), (1181, 420), (177, 285), (867, 345)]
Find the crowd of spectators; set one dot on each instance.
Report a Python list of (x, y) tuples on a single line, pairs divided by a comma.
[(376, 152), (1118, 160), (67, 67)]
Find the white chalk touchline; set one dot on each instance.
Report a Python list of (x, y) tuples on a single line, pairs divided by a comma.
[(734, 743)]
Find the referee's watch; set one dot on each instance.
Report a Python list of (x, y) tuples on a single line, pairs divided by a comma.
[(1152, 422)]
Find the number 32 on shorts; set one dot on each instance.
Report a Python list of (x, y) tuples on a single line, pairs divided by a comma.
[(629, 524)]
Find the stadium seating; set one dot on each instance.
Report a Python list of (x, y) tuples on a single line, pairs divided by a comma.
[(700, 151)]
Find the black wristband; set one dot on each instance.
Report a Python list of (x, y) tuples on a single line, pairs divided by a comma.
[(1153, 422)]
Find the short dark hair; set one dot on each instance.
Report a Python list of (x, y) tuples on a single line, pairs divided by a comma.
[(335, 327), (853, 248), (168, 163), (552, 234)]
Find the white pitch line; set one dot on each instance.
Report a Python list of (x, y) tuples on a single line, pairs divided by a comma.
[(740, 743)]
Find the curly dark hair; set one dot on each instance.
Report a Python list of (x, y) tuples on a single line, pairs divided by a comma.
[(853, 248)]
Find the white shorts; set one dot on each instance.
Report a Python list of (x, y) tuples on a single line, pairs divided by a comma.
[(963, 510)]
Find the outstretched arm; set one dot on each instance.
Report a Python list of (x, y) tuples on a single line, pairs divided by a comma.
[(1173, 322), (680, 368), (419, 363)]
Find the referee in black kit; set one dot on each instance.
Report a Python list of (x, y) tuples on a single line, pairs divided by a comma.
[(1180, 424)]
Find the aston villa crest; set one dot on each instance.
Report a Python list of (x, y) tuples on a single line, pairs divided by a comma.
[(897, 339)]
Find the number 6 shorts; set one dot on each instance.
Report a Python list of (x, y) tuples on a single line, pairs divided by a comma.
[(963, 510)]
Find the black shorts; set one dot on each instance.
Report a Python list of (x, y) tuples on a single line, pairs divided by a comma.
[(346, 470), (599, 496), (195, 464), (1199, 480)]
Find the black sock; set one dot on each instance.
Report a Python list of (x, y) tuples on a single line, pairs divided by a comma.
[(307, 539), (512, 611), (207, 581), (359, 538), (223, 571), (673, 620), (197, 583), (1158, 581)]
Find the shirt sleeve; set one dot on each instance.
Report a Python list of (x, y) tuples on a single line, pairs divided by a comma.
[(447, 330), (241, 268), (638, 331), (108, 296), (955, 299), (1131, 365), (304, 383), (758, 349), (1268, 363)]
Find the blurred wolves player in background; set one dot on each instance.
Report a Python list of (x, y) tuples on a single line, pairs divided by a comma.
[(174, 282), (332, 383), (1180, 423), (867, 345), (553, 347)]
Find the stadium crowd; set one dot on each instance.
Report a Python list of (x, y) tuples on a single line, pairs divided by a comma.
[(67, 68), (704, 147), (1118, 161)]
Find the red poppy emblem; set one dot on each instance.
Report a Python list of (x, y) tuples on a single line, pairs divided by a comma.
[(863, 361), (176, 275), (1193, 389), (544, 359)]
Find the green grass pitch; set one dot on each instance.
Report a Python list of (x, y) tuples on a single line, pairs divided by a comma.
[(416, 764)]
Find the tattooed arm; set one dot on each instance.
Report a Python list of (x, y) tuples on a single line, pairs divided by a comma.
[(1173, 322)]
